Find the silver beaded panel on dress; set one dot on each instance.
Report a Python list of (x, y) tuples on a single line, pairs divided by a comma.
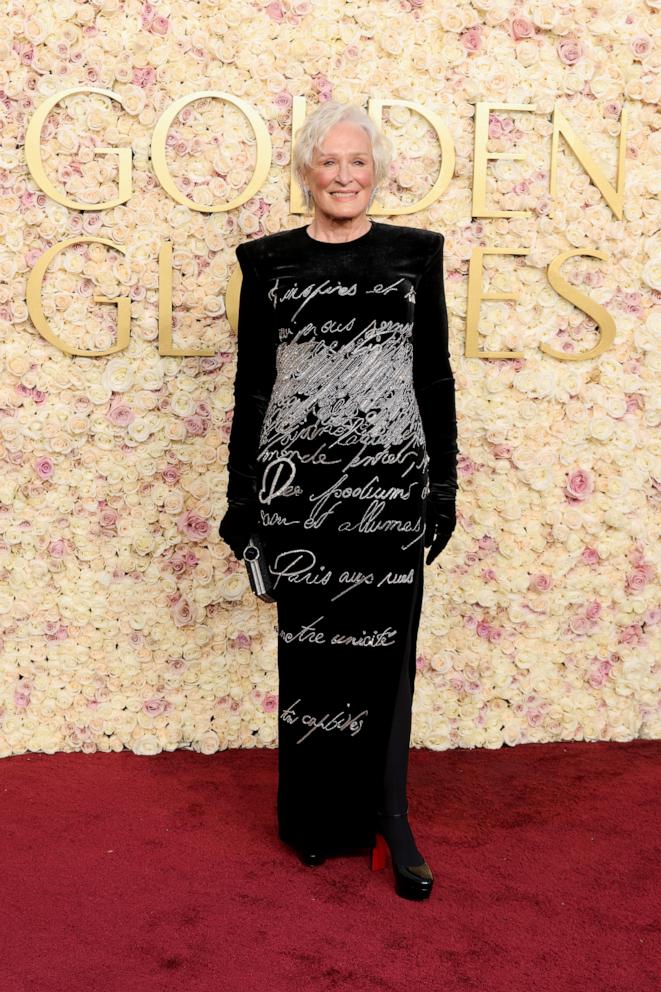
[(363, 386)]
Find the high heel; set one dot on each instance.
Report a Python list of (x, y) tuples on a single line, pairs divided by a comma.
[(379, 853), (411, 881)]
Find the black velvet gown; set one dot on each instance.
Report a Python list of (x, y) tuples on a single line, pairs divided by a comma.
[(344, 412)]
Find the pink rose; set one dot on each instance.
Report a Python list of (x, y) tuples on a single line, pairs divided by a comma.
[(57, 549), (522, 28), (600, 672), (496, 129), (44, 467), (639, 578), (270, 702), (540, 582), (579, 485), (472, 39), (593, 610), (159, 25), (195, 426), (283, 100), (182, 614), (108, 517), (154, 707), (170, 475), (32, 257), (630, 635), (212, 362), (641, 46), (482, 629), (569, 51), (580, 625), (465, 465), (275, 12), (590, 556), (177, 563), (120, 414), (195, 527), (144, 77)]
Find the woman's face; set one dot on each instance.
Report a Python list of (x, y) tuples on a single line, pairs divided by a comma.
[(341, 177)]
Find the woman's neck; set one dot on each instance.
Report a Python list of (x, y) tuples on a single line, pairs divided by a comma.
[(338, 229)]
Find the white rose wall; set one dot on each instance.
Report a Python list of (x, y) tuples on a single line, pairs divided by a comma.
[(125, 622)]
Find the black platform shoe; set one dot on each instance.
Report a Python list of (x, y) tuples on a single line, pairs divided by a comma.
[(411, 881), (311, 858)]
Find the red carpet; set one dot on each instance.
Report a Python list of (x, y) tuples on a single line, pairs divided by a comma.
[(143, 874)]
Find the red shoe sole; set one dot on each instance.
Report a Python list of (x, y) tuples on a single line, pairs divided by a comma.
[(379, 853)]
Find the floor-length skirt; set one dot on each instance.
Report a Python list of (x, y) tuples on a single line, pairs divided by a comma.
[(344, 541)]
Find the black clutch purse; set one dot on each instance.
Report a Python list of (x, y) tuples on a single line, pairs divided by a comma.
[(261, 580)]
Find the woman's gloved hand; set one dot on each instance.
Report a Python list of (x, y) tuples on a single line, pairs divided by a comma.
[(239, 522), (441, 519)]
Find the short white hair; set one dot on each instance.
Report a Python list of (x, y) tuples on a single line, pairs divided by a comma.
[(318, 124)]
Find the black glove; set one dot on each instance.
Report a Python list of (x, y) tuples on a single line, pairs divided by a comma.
[(441, 519), (238, 523)]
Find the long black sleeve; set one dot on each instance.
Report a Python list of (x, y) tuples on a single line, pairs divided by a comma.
[(253, 383), (434, 382)]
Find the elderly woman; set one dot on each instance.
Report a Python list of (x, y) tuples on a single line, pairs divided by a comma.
[(342, 460)]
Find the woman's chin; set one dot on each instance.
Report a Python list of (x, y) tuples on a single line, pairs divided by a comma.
[(345, 210)]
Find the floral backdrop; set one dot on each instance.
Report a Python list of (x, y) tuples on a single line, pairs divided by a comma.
[(125, 622)]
